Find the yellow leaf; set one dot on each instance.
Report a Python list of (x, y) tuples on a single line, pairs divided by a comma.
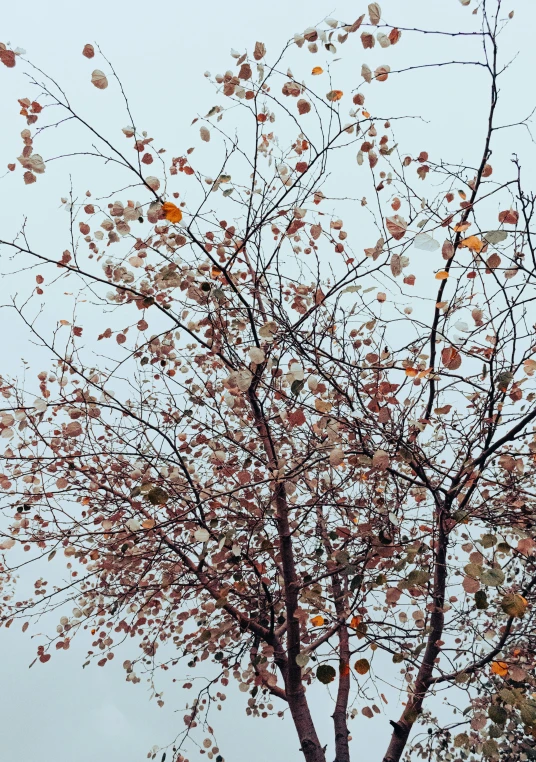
[(499, 668), (473, 243), (317, 70), (173, 213), (442, 275), (362, 666), (317, 621)]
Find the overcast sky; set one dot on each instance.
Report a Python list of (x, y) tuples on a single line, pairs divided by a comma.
[(58, 712)]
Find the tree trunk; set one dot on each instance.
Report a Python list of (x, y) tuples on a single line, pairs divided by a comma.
[(403, 727), (342, 747), (303, 722)]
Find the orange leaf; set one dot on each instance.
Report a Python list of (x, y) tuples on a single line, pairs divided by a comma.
[(355, 621), (442, 275), (317, 621), (473, 243), (499, 668), (334, 95), (366, 114), (411, 372), (424, 373), (362, 666), (148, 523), (461, 226), (317, 70), (173, 213), (215, 272)]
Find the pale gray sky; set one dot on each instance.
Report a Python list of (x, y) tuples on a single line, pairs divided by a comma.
[(58, 712)]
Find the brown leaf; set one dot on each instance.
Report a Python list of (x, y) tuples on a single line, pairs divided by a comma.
[(396, 265), (451, 358), (381, 460), (88, 51), (396, 226), (368, 40), (334, 95), (259, 51), (509, 217), (245, 71), (375, 13), (357, 23), (448, 250), (73, 429), (7, 57), (381, 73), (98, 78), (316, 231), (304, 106)]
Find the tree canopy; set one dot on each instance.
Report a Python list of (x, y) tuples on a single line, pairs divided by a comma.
[(287, 435)]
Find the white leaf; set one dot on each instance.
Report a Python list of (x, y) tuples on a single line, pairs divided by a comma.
[(256, 355), (425, 242), (201, 535)]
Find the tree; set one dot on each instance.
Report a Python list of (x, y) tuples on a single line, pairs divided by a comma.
[(294, 459)]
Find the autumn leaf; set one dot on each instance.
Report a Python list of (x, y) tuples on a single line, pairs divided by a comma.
[(397, 226), (473, 243), (381, 460), (362, 666), (499, 668), (88, 51), (375, 13), (172, 212), (7, 57), (317, 621), (509, 217), (259, 51), (303, 106), (381, 73), (441, 275), (326, 674), (514, 605), (317, 70), (367, 40), (334, 95), (451, 358), (205, 134), (98, 78)]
